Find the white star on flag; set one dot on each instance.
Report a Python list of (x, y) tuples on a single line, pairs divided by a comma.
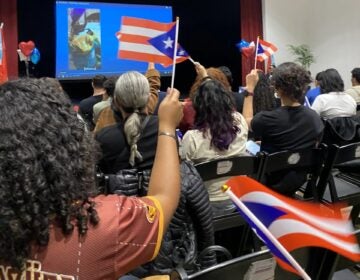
[(168, 43)]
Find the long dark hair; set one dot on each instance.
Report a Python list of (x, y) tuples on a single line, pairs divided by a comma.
[(331, 81), (264, 99), (47, 168), (214, 108)]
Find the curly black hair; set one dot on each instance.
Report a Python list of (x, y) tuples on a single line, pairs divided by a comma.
[(47, 168), (214, 108), (292, 79), (264, 99)]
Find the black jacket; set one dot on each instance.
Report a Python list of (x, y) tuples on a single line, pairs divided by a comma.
[(191, 228)]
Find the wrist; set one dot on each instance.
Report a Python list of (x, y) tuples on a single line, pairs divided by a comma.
[(167, 128), (248, 93)]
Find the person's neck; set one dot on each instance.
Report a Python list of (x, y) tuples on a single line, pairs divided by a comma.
[(98, 91), (285, 101)]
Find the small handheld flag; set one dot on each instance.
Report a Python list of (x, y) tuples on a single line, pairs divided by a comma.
[(246, 48), (292, 224)]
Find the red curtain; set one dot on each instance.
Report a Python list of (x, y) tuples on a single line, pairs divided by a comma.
[(8, 15), (251, 27)]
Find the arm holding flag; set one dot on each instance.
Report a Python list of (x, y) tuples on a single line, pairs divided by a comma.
[(153, 77), (251, 80)]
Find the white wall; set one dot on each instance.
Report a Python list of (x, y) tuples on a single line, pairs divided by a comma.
[(330, 27)]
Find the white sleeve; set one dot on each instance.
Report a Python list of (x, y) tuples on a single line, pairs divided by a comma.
[(317, 106), (188, 146)]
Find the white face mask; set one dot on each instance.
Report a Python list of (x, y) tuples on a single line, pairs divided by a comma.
[(276, 95)]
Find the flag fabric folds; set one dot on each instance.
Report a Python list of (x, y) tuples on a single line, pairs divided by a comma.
[(295, 224), (246, 48), (147, 40), (265, 50), (3, 64)]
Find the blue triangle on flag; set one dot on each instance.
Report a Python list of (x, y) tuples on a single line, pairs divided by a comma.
[(165, 43), (260, 49)]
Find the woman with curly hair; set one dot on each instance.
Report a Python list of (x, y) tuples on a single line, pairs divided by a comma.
[(289, 127), (219, 132), (51, 221)]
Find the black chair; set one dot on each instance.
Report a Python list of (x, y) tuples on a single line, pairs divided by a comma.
[(238, 267), (334, 188), (232, 166), (232, 269), (306, 162)]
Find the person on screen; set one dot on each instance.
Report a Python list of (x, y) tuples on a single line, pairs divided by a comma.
[(52, 222)]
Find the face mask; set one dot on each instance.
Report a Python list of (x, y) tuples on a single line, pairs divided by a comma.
[(276, 95)]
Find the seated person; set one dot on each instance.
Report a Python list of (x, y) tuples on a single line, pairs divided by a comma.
[(110, 116), (187, 121), (132, 144), (333, 101), (311, 94), (86, 105), (354, 91), (109, 86), (289, 127), (53, 224), (219, 132)]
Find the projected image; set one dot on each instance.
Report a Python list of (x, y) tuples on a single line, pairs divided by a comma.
[(84, 39)]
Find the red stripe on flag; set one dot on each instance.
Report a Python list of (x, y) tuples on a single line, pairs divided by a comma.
[(131, 38), (162, 59), (145, 23)]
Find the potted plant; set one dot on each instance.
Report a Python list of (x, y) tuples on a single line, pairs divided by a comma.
[(303, 55)]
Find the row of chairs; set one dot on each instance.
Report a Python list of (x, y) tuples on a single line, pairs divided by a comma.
[(318, 163), (317, 267)]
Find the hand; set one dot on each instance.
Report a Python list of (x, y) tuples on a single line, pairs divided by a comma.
[(170, 111), (251, 80), (200, 70)]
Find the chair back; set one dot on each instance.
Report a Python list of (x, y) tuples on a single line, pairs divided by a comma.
[(232, 166), (307, 161), (337, 156)]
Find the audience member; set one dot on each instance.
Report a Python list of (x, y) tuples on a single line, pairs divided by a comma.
[(264, 99), (132, 144), (109, 116), (333, 101), (219, 132), (289, 127), (238, 96), (354, 91), (189, 113), (311, 94), (86, 105), (47, 188), (109, 86)]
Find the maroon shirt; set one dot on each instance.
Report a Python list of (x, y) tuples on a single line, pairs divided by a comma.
[(129, 233)]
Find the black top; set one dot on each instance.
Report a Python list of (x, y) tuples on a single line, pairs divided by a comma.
[(86, 109), (287, 128), (116, 151), (239, 101)]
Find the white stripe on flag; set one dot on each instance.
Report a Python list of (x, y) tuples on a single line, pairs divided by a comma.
[(328, 224), (141, 48), (282, 227)]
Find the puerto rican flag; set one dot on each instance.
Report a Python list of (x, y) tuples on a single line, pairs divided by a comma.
[(147, 40), (295, 224), (265, 50)]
